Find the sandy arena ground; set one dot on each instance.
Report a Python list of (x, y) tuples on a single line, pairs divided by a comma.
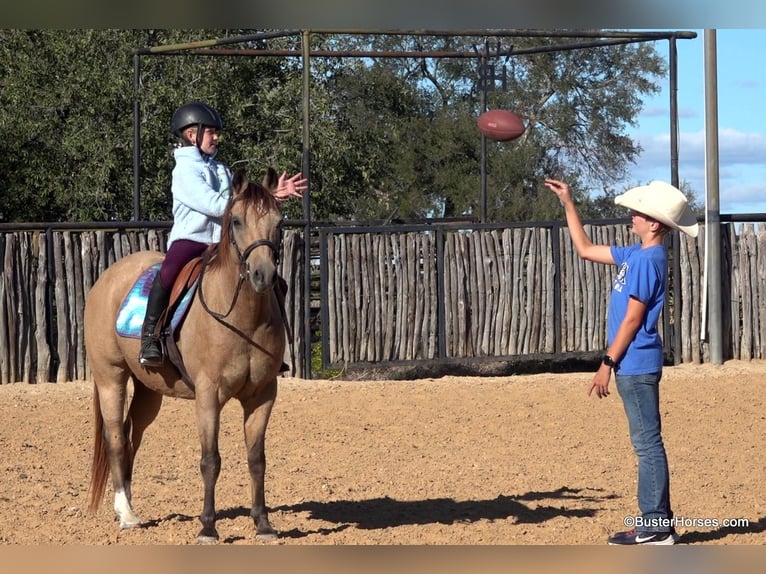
[(519, 460)]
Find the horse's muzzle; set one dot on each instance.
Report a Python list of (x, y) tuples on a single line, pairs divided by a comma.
[(262, 279)]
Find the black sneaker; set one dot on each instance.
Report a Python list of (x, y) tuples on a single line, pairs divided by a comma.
[(632, 537)]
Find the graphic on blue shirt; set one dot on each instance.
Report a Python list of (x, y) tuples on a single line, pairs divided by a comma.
[(620, 280), (641, 274)]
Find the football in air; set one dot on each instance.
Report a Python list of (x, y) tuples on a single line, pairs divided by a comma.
[(500, 125)]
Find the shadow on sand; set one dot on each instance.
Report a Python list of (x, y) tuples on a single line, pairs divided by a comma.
[(381, 513)]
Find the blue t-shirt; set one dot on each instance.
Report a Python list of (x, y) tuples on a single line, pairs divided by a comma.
[(642, 274)]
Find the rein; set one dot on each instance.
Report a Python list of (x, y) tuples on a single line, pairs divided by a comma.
[(243, 271), (242, 256)]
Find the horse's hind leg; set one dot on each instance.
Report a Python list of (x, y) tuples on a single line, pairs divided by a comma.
[(118, 451), (257, 411), (144, 407)]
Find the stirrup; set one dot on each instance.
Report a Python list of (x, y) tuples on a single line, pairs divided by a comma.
[(151, 354)]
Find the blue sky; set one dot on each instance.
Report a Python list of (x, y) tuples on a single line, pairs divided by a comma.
[(741, 91)]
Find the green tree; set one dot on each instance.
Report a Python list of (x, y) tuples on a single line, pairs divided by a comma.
[(64, 125), (66, 119), (577, 105), (390, 137)]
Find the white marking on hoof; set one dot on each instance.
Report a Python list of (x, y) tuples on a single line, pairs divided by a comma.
[(131, 523), (125, 513)]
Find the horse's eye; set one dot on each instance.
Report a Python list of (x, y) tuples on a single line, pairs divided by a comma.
[(236, 221)]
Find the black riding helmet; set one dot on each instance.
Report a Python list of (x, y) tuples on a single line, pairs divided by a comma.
[(195, 114)]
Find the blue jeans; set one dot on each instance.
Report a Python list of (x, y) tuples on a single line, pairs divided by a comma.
[(641, 398)]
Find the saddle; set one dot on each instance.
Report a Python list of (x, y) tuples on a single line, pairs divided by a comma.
[(186, 282), (130, 317)]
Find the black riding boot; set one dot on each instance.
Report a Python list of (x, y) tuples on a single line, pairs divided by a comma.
[(151, 349)]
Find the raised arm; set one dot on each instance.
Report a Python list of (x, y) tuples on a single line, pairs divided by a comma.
[(584, 246)]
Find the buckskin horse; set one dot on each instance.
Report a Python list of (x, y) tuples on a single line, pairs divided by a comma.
[(232, 341)]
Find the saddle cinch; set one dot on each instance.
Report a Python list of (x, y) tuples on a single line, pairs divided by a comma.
[(130, 317)]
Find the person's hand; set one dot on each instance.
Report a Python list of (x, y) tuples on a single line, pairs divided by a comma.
[(288, 187), (561, 190), (601, 382)]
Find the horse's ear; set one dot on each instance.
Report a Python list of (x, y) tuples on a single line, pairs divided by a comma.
[(238, 182), (271, 179)]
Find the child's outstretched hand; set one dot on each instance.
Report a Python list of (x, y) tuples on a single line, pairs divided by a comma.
[(288, 187)]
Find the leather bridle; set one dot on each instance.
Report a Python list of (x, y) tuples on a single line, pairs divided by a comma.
[(244, 270)]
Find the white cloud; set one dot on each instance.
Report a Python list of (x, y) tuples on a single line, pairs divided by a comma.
[(741, 166), (748, 84), (655, 112), (734, 147), (737, 147)]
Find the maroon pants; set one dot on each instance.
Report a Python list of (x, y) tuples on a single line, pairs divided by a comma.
[(180, 252)]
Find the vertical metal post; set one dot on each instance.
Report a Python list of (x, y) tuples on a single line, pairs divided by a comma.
[(483, 105), (136, 139), (306, 171), (675, 328), (713, 214)]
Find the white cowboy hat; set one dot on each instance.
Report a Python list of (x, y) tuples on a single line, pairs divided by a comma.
[(663, 202)]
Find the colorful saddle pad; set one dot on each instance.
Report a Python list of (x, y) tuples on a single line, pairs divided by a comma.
[(130, 317)]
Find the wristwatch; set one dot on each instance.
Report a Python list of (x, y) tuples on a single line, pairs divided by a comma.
[(608, 361)]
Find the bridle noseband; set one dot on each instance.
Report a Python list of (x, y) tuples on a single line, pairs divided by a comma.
[(243, 255)]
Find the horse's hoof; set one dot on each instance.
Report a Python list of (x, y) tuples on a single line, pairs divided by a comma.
[(207, 539), (207, 536), (126, 525), (128, 520), (265, 533), (266, 536)]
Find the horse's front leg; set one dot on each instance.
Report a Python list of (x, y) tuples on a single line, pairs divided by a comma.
[(257, 411), (208, 423)]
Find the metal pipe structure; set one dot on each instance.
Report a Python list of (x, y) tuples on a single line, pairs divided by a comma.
[(284, 53), (712, 211), (675, 331), (136, 139), (210, 48), (207, 48), (483, 166), (306, 171)]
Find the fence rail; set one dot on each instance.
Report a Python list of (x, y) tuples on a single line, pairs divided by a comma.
[(424, 294), (45, 279), (396, 294)]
